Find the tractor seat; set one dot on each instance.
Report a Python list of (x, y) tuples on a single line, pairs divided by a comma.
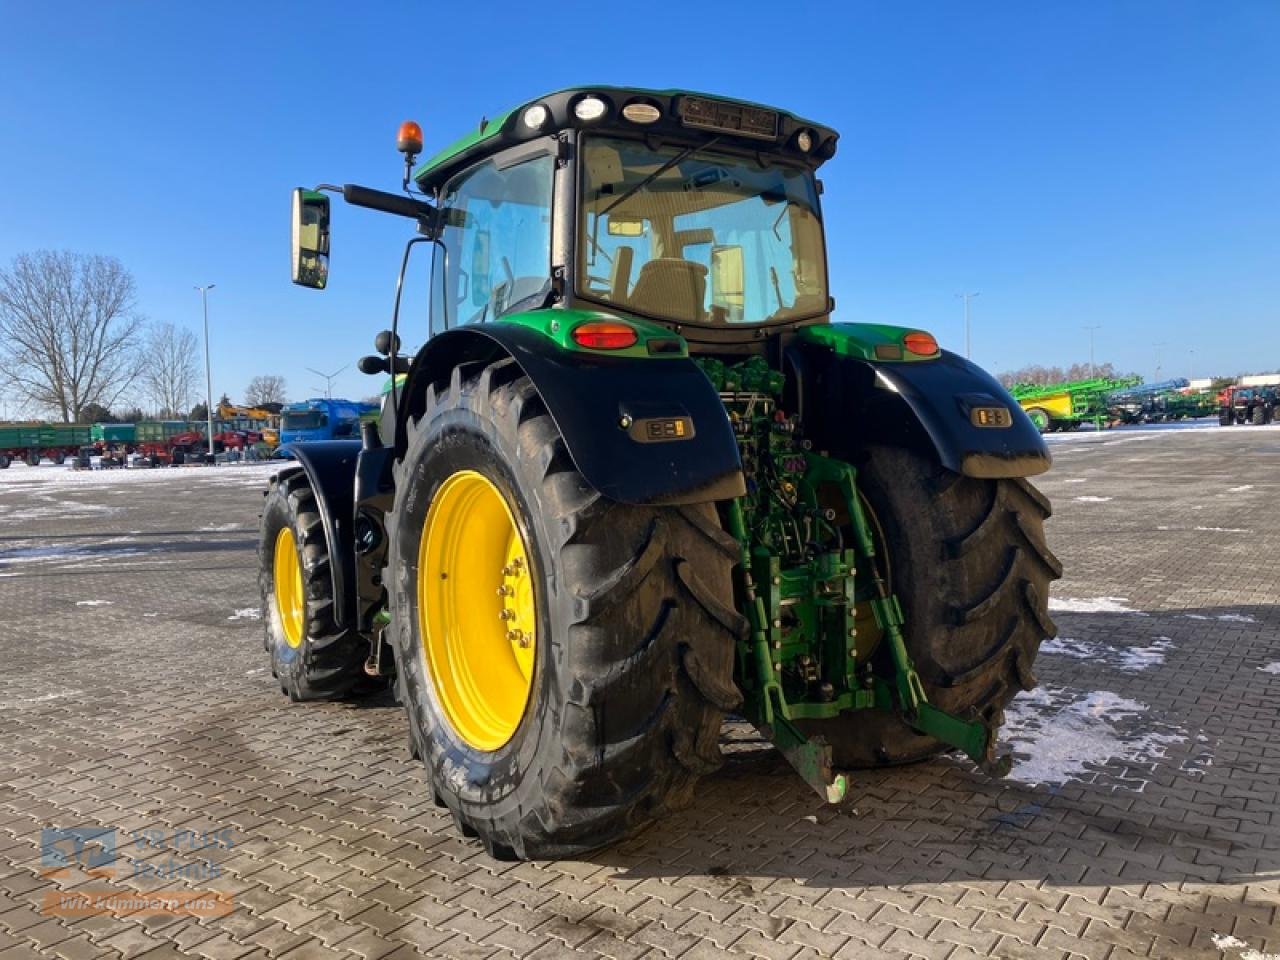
[(671, 288)]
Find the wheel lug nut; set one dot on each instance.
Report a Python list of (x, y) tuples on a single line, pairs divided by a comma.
[(505, 591), (507, 614)]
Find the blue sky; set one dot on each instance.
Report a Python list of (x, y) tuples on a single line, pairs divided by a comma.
[(1110, 163)]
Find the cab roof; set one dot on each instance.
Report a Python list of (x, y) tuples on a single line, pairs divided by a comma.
[(679, 112)]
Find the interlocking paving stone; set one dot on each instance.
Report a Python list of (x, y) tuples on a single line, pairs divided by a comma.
[(138, 698)]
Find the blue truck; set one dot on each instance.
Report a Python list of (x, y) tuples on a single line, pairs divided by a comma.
[(323, 419)]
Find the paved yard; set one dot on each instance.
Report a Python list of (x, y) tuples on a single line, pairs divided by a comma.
[(1142, 819)]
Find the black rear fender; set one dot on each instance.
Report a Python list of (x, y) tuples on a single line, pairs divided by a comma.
[(848, 403), (617, 415)]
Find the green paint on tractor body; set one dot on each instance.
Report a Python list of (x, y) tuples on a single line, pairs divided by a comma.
[(866, 341), (653, 340)]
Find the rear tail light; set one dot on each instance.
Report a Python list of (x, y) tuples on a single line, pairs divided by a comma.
[(921, 344), (605, 335)]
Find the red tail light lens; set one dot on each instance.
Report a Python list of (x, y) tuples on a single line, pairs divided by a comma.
[(605, 335), (921, 344)]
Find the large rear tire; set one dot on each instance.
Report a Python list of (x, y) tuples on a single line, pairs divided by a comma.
[(1040, 417), (1258, 416), (968, 561), (311, 656), (624, 631)]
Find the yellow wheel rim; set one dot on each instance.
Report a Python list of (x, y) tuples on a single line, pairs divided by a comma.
[(290, 596), (476, 610)]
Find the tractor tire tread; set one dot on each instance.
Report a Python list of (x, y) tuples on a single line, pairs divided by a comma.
[(645, 670)]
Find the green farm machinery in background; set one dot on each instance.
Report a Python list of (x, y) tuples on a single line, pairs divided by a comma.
[(1161, 402), (1065, 406), (31, 442)]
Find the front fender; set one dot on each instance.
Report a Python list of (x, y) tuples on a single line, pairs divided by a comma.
[(849, 402), (331, 470), (603, 406)]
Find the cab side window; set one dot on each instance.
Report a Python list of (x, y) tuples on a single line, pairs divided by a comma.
[(496, 254)]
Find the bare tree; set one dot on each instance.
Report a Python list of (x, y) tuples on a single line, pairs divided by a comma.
[(264, 388), (68, 330), (1042, 376), (169, 373)]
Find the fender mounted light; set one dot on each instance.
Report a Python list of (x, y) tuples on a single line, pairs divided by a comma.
[(605, 335), (920, 343)]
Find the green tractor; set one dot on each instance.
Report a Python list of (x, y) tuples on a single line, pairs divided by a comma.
[(636, 480)]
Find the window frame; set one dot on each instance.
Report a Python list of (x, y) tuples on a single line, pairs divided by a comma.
[(502, 161)]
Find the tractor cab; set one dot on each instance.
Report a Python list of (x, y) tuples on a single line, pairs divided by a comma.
[(696, 213)]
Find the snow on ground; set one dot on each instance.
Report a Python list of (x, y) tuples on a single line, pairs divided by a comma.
[(1078, 439), (1092, 605), (1247, 486), (1088, 499), (221, 527), (1130, 659), (245, 613), (1060, 735), (67, 553), (1205, 529), (1225, 942), (1229, 617), (1271, 668), (63, 478), (57, 509), (17, 703), (94, 603)]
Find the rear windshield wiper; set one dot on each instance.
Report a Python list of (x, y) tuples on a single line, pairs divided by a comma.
[(683, 155)]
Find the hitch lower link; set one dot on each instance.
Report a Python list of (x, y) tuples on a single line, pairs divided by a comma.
[(902, 694)]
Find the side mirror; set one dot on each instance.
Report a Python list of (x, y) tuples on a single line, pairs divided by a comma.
[(310, 238)]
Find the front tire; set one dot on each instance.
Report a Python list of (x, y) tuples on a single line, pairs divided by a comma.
[(968, 561), (311, 656), (631, 609)]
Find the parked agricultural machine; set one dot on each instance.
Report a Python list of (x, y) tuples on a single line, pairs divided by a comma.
[(32, 442), (1254, 405), (636, 479), (1067, 406), (1160, 402), (156, 442)]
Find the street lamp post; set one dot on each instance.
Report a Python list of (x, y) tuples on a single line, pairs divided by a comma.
[(966, 297), (1093, 367), (328, 379), (208, 376)]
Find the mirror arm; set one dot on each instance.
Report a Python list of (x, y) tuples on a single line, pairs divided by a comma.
[(389, 203)]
